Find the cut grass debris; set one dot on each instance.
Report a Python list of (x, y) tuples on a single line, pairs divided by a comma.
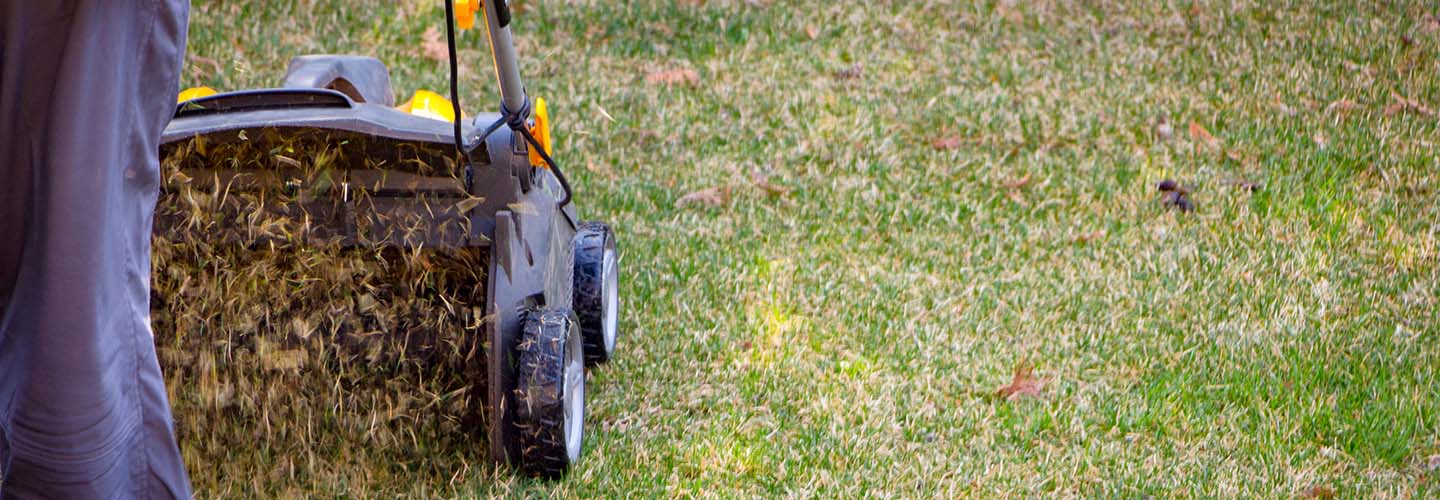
[(311, 348)]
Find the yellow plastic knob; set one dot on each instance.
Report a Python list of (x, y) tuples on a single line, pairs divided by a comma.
[(429, 105), (194, 93), (465, 13)]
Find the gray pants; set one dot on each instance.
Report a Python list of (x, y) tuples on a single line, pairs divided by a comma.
[(86, 87)]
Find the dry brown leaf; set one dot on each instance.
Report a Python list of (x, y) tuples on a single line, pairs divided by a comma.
[(1318, 491), (1022, 384), (1342, 106), (1018, 183), (433, 46), (685, 76), (1203, 137), (812, 32), (1405, 104), (710, 197), (947, 143), (762, 181)]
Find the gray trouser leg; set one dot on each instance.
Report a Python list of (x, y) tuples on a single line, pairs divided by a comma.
[(86, 87)]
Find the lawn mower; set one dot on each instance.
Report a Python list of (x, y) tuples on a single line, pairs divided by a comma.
[(416, 178)]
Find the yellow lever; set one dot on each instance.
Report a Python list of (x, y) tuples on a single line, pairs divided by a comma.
[(541, 131)]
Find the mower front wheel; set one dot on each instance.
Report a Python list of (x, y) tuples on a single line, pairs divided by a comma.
[(550, 392)]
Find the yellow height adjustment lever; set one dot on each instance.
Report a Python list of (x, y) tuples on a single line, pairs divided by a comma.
[(465, 13), (541, 131)]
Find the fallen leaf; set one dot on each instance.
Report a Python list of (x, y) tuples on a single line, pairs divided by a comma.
[(947, 143), (433, 46), (685, 76), (1022, 384), (1405, 104), (1018, 183), (710, 197), (1342, 106), (812, 32), (762, 181), (1199, 134), (853, 72), (1318, 491)]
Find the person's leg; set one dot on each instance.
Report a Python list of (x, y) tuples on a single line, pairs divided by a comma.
[(86, 88)]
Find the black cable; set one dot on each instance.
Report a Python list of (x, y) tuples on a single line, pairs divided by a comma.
[(560, 176), (454, 77)]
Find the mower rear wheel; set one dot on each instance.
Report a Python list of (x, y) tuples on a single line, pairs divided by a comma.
[(550, 392), (596, 290)]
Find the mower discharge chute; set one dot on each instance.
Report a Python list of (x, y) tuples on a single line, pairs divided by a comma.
[(328, 161)]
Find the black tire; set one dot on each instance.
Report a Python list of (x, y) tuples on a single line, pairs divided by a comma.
[(550, 384), (596, 292)]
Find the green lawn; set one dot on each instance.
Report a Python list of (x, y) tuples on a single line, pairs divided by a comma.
[(969, 187)]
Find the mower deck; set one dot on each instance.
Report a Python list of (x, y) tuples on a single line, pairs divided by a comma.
[(379, 178)]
